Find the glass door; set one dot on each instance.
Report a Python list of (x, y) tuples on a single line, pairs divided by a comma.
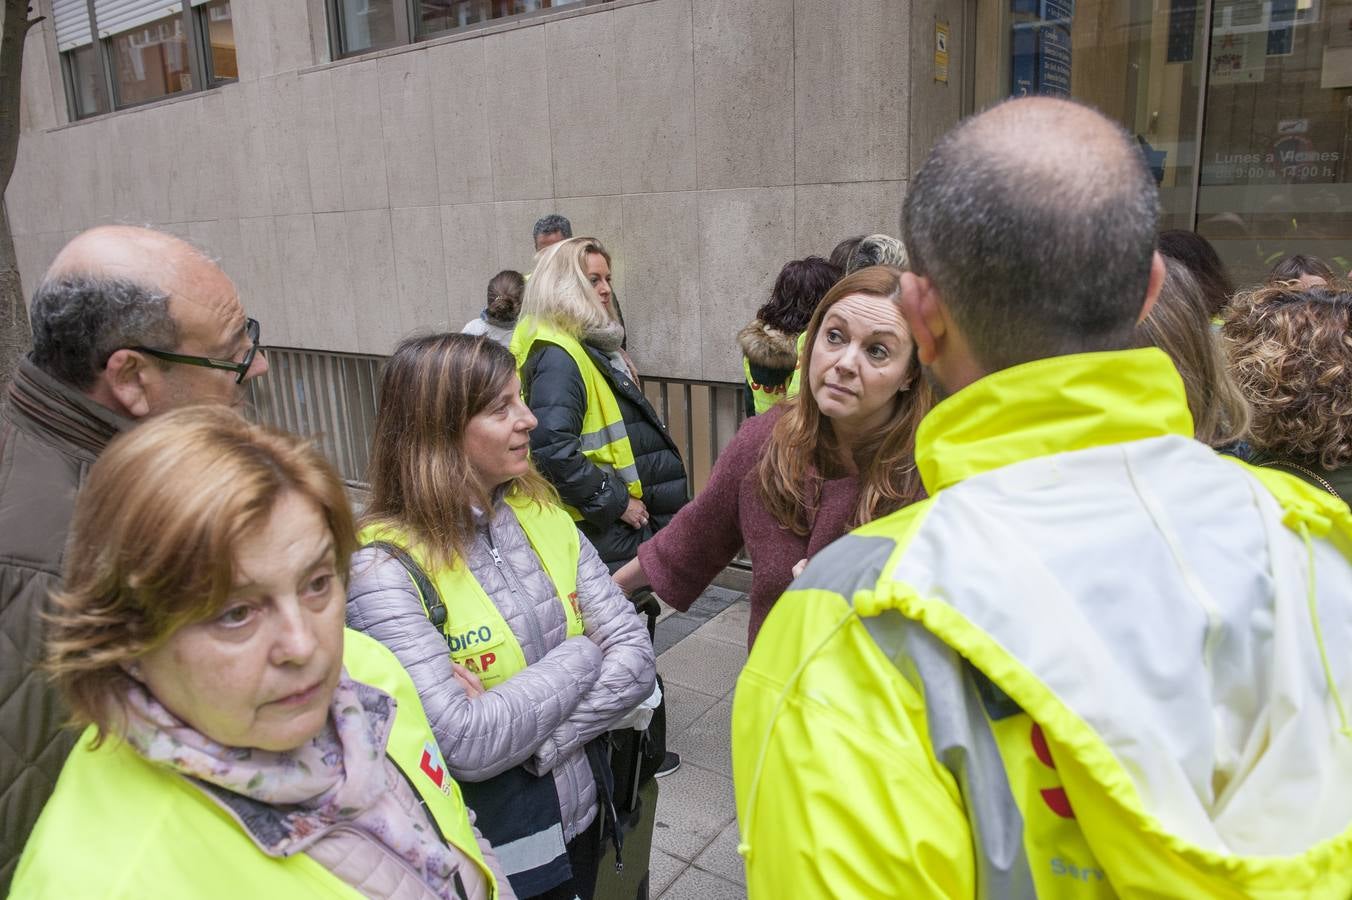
[(1276, 136), (1265, 84)]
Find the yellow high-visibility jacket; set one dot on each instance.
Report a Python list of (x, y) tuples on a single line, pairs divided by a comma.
[(1099, 661), (119, 826), (603, 439)]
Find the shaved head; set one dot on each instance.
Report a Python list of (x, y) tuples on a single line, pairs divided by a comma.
[(1035, 224)]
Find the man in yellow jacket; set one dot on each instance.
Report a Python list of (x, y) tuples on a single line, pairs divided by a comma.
[(1099, 660)]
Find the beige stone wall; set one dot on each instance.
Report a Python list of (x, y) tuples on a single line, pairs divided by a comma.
[(705, 141)]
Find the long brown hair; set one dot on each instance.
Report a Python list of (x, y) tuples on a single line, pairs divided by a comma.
[(421, 480), (804, 448), (1179, 325), (154, 538)]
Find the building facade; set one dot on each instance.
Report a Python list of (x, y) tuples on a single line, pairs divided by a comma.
[(357, 198), (363, 167)]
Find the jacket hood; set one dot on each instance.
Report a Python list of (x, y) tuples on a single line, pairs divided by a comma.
[(767, 346)]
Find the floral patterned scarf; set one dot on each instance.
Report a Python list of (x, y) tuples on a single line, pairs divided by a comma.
[(286, 801)]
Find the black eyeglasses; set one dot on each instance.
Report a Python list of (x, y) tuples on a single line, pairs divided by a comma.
[(240, 368)]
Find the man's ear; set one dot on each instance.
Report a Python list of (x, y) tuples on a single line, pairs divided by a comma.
[(1153, 287), (124, 381), (920, 309)]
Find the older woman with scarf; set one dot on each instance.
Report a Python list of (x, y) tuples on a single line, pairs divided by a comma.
[(238, 742)]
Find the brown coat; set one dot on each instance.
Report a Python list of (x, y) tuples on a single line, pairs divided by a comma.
[(50, 434)]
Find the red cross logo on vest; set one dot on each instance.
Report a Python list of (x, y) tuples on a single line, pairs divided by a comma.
[(1055, 798), (434, 767)]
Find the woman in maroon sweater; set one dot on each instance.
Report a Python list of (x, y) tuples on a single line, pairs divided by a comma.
[(795, 479)]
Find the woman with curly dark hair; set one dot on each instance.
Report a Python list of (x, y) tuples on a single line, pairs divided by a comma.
[(773, 341), (1290, 351)]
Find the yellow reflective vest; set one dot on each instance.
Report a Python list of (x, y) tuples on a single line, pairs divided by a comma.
[(119, 826), (1098, 661), (477, 635), (766, 397), (762, 397), (791, 386), (604, 439)]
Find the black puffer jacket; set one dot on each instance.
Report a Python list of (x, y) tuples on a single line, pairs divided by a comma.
[(555, 393)]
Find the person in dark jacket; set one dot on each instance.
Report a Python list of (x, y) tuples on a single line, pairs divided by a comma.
[(598, 440), (770, 343), (124, 322)]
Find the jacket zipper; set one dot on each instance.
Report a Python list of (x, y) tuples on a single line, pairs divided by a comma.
[(518, 591), (533, 624)]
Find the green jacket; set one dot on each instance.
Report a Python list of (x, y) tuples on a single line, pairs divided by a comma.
[(1098, 661)]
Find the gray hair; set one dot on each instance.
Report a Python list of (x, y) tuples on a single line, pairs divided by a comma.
[(877, 250), (81, 320), (1038, 248), (552, 223)]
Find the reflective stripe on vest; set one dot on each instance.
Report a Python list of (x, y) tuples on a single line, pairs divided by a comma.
[(476, 633), (604, 439)]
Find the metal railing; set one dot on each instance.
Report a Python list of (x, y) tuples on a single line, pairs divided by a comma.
[(332, 397), (327, 397), (701, 417)]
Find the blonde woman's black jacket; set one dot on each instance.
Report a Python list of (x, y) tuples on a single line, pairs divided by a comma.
[(554, 390)]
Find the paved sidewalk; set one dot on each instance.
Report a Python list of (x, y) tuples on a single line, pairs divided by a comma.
[(695, 839)]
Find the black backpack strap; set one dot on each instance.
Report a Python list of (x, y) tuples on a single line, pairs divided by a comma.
[(431, 598)]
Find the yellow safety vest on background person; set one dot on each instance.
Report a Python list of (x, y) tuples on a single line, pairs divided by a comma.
[(764, 397), (120, 826), (791, 387), (476, 633), (604, 439)]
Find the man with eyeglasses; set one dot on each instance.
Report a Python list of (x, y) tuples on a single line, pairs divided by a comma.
[(127, 323)]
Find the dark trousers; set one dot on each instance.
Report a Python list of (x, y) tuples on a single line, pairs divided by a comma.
[(584, 855)]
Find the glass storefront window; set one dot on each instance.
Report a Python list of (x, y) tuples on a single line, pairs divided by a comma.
[(443, 15), (1275, 177), (1265, 85), (151, 61), (219, 29), (1139, 66), (86, 81), (366, 25)]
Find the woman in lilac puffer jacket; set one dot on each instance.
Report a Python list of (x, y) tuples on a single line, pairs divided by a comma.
[(539, 652)]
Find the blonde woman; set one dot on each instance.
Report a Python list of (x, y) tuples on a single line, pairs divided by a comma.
[(597, 440), (238, 742)]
